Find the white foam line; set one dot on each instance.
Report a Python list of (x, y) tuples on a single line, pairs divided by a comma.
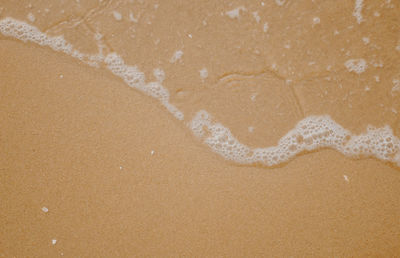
[(136, 79), (357, 11), (357, 66), (130, 74), (26, 32), (311, 133)]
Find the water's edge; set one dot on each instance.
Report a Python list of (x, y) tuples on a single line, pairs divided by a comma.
[(311, 133)]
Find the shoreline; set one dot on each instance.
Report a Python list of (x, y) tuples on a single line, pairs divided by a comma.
[(181, 200), (93, 165), (315, 132)]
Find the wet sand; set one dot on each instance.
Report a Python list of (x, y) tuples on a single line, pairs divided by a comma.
[(121, 177)]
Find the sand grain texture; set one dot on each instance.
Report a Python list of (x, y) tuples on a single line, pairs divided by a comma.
[(121, 177)]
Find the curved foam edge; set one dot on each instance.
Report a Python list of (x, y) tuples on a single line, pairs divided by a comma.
[(311, 133), (136, 79), (130, 74), (25, 32)]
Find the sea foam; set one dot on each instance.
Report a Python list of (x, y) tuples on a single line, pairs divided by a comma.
[(130, 74), (357, 10), (136, 79), (357, 66), (26, 32), (309, 134)]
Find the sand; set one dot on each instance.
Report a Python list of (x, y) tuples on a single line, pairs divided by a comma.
[(93, 168)]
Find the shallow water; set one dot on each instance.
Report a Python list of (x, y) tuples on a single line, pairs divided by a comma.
[(257, 82), (187, 128)]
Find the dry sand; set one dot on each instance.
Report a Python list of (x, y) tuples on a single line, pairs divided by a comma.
[(92, 168)]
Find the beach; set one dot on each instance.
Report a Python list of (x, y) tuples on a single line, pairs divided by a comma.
[(100, 157)]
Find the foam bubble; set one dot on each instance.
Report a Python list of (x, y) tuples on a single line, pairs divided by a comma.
[(28, 33), (357, 66), (235, 13), (357, 11), (31, 17), (203, 73), (130, 74), (136, 79), (159, 74), (311, 133), (316, 20), (177, 56)]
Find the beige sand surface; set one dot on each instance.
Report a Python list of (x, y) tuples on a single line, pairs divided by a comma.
[(121, 177)]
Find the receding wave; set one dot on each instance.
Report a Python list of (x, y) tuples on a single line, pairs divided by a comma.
[(311, 133), (130, 74)]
